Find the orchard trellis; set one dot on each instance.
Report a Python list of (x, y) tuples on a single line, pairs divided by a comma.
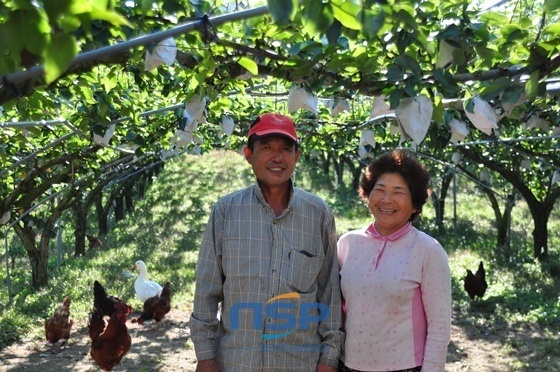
[(342, 51)]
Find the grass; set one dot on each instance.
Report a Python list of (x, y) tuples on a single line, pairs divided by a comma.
[(165, 229)]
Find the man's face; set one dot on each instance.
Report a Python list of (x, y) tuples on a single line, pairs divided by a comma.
[(273, 160)]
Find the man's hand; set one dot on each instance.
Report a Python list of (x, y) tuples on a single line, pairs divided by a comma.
[(325, 368), (209, 365)]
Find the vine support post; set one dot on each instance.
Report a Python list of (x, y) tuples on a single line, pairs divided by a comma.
[(455, 204), (8, 280)]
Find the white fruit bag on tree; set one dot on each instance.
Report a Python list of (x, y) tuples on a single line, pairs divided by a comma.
[(414, 117), (555, 177), (182, 138), (300, 97), (363, 152), (484, 176), (509, 106), (536, 123), (164, 52), (445, 55), (228, 125), (456, 158), (525, 164), (104, 140), (340, 106), (380, 108), (367, 138), (194, 112), (459, 131), (5, 218), (483, 116)]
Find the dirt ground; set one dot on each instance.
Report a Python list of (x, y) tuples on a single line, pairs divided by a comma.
[(163, 346), (166, 346)]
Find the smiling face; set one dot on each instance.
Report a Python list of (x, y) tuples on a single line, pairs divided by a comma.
[(390, 202), (273, 160)]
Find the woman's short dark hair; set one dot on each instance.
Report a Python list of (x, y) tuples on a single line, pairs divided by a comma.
[(404, 163)]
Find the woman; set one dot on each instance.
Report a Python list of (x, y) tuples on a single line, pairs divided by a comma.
[(395, 279)]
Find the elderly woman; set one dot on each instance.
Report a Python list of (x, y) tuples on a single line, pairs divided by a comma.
[(395, 279)]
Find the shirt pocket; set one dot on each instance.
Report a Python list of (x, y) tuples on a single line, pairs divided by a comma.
[(303, 270)]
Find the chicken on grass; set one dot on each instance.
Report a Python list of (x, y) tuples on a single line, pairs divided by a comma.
[(156, 307), (59, 325), (475, 284), (110, 341)]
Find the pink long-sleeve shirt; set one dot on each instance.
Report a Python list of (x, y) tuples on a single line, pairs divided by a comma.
[(397, 293)]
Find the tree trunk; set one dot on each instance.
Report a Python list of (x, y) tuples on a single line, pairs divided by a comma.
[(326, 164), (80, 219), (356, 171), (39, 264), (540, 235), (439, 199), (128, 200), (505, 222), (141, 187), (101, 217), (502, 219), (119, 208)]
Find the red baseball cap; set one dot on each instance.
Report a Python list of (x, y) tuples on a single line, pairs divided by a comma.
[(269, 124)]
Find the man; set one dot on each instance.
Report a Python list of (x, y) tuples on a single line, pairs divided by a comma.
[(267, 285)]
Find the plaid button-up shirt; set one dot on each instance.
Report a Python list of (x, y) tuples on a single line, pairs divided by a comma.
[(250, 256)]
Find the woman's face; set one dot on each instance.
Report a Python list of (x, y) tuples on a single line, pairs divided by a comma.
[(390, 202)]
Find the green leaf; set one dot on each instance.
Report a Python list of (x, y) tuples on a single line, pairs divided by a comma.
[(551, 5), (87, 93), (553, 29), (59, 53), (437, 114), (110, 16), (532, 86), (282, 11), (56, 9), (109, 82), (317, 17), (511, 94), (333, 32), (469, 105), (445, 78), (373, 22), (394, 73), (249, 65), (146, 5), (409, 64), (405, 17), (494, 18), (346, 12)]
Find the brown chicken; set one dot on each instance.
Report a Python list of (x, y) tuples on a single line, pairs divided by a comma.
[(110, 341), (475, 284), (157, 306), (59, 325), (94, 242)]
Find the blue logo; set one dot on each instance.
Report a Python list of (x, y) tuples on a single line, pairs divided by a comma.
[(273, 309)]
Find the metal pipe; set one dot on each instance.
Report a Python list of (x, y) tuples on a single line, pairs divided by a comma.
[(20, 76), (26, 124)]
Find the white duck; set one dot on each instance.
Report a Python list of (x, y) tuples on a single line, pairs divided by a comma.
[(145, 288)]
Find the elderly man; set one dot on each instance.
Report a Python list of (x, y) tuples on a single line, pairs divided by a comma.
[(267, 286)]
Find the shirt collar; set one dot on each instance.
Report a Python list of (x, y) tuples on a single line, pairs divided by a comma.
[(372, 231), (260, 197)]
